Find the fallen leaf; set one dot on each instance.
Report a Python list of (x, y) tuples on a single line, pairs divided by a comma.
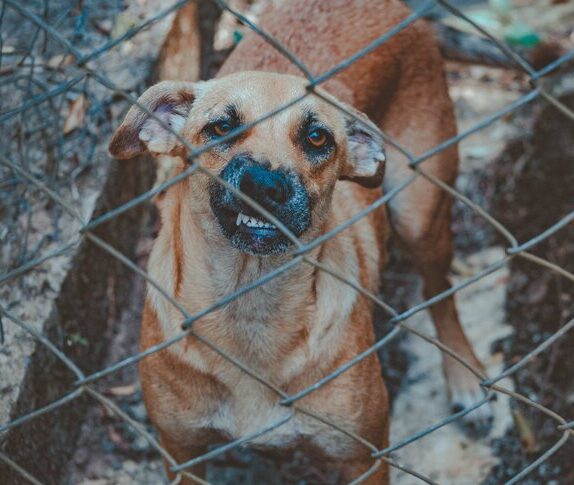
[(115, 437), (124, 22), (6, 70), (76, 114), (61, 60), (525, 432), (119, 391), (41, 221)]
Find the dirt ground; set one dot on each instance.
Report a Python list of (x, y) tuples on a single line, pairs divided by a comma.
[(507, 170), (539, 302)]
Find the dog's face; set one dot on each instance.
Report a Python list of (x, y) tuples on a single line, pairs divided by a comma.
[(288, 164)]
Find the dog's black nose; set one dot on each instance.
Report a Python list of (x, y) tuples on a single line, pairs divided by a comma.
[(267, 187)]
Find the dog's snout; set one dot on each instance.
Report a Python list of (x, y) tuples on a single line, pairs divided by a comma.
[(265, 186), (280, 191)]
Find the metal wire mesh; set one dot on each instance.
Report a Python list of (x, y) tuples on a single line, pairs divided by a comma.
[(76, 72)]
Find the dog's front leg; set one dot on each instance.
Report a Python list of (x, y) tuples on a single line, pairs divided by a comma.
[(181, 454)]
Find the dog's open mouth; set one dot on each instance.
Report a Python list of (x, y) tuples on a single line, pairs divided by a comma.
[(250, 233), (281, 193)]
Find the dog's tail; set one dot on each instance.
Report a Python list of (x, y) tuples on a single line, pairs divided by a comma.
[(189, 43), (460, 46), (180, 55)]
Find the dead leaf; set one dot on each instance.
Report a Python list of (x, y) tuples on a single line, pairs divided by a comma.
[(121, 391), (525, 432), (461, 267), (6, 70), (61, 60), (76, 114), (41, 221), (116, 437), (124, 22)]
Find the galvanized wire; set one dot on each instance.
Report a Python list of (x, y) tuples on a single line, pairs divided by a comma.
[(85, 70)]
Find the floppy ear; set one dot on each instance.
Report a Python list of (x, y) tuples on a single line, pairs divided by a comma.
[(365, 162), (170, 101)]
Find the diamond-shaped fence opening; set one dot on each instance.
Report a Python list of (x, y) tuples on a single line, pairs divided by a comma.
[(61, 76)]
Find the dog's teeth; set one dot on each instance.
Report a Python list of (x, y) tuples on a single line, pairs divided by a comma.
[(381, 157), (252, 221)]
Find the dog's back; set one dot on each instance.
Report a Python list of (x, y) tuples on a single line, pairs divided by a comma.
[(324, 34)]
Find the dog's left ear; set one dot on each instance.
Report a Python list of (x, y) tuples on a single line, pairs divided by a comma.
[(365, 162)]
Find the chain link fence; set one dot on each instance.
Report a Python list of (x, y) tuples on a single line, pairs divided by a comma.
[(36, 154)]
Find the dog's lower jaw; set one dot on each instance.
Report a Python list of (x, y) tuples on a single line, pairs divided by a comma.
[(264, 245)]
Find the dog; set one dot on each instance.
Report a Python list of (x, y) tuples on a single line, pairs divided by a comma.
[(311, 167)]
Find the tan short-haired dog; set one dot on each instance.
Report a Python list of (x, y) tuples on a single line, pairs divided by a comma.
[(313, 167)]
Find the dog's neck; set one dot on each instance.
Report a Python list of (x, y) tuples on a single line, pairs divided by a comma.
[(194, 261)]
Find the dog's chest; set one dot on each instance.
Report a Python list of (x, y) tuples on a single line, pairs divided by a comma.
[(252, 412)]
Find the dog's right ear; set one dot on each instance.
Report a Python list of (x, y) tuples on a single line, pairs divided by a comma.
[(169, 101)]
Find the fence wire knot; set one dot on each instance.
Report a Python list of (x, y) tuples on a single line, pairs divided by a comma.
[(76, 73)]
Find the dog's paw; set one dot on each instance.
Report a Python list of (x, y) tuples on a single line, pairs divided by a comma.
[(467, 394), (478, 422)]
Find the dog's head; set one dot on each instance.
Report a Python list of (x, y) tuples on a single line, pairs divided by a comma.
[(288, 164)]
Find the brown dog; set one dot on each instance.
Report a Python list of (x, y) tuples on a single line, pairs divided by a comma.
[(312, 167)]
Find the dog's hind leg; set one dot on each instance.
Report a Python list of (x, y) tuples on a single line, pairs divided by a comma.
[(428, 241), (420, 117)]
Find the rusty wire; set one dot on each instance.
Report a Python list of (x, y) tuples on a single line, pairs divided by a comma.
[(85, 71)]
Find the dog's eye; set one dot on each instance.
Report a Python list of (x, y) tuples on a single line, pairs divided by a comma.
[(317, 137), (222, 128)]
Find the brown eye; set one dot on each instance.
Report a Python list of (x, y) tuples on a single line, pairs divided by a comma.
[(222, 128), (317, 138)]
